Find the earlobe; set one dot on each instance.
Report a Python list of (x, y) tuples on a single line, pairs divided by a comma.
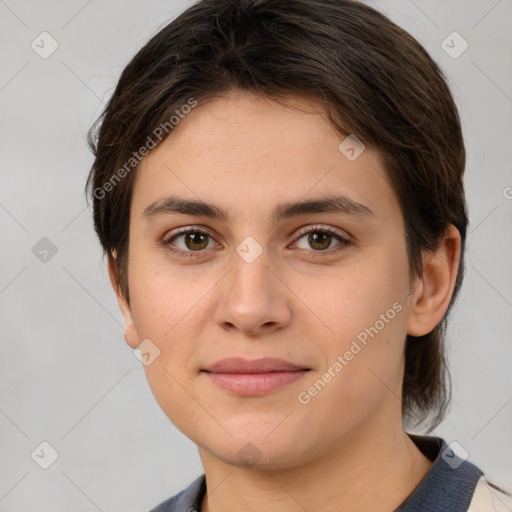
[(130, 332), (433, 292)]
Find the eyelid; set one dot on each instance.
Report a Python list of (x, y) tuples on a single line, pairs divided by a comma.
[(325, 228), (187, 229)]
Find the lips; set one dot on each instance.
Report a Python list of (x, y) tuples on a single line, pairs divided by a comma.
[(256, 377), (263, 365)]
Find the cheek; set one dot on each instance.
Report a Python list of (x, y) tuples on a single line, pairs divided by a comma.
[(161, 299), (358, 379), (357, 301), (367, 315), (170, 390), (165, 310)]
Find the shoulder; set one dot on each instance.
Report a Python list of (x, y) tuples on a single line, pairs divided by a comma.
[(188, 500), (488, 498), (168, 505)]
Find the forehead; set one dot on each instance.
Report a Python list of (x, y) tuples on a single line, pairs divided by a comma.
[(249, 153)]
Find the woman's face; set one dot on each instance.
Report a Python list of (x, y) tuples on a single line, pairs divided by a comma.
[(324, 288)]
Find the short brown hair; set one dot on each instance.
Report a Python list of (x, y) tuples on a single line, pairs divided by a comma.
[(375, 81)]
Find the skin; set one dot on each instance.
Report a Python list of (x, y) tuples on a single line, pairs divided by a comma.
[(346, 449)]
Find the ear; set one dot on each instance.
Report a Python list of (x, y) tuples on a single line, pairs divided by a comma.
[(433, 292), (130, 332)]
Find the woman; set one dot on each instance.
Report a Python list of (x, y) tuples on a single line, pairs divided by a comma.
[(278, 187)]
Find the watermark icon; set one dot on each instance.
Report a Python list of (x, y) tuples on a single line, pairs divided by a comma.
[(304, 397), (454, 45), (44, 455), (351, 147), (44, 250), (249, 249), (249, 455), (151, 142), (454, 454), (146, 352), (507, 192), (44, 45)]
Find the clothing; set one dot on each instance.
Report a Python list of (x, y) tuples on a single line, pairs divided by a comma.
[(451, 485)]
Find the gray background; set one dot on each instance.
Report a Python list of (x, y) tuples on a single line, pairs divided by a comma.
[(66, 375)]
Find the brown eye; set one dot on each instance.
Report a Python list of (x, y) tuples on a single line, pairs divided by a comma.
[(320, 240), (188, 241), (196, 240)]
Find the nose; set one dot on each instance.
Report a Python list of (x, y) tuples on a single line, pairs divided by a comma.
[(253, 298)]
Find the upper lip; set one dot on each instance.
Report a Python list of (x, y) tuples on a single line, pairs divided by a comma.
[(263, 365)]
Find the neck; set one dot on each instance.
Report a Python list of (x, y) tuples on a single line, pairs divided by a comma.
[(372, 469)]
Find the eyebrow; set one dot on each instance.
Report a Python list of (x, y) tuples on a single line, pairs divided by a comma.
[(282, 211)]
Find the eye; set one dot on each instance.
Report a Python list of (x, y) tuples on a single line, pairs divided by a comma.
[(320, 239), (188, 241)]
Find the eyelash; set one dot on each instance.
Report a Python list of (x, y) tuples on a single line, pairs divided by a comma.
[(344, 242)]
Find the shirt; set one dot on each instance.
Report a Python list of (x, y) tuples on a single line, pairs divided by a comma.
[(452, 484)]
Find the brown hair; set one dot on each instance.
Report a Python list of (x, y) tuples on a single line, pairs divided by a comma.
[(375, 80)]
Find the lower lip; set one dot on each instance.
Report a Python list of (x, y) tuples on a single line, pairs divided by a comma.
[(255, 384)]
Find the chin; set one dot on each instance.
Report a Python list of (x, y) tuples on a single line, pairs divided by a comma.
[(257, 451), (251, 458)]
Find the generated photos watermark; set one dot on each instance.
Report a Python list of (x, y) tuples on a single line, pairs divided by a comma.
[(304, 397), (151, 142)]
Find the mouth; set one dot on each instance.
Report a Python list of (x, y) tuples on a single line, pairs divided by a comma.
[(257, 377)]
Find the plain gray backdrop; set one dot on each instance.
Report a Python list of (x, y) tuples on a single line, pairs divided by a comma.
[(68, 378)]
